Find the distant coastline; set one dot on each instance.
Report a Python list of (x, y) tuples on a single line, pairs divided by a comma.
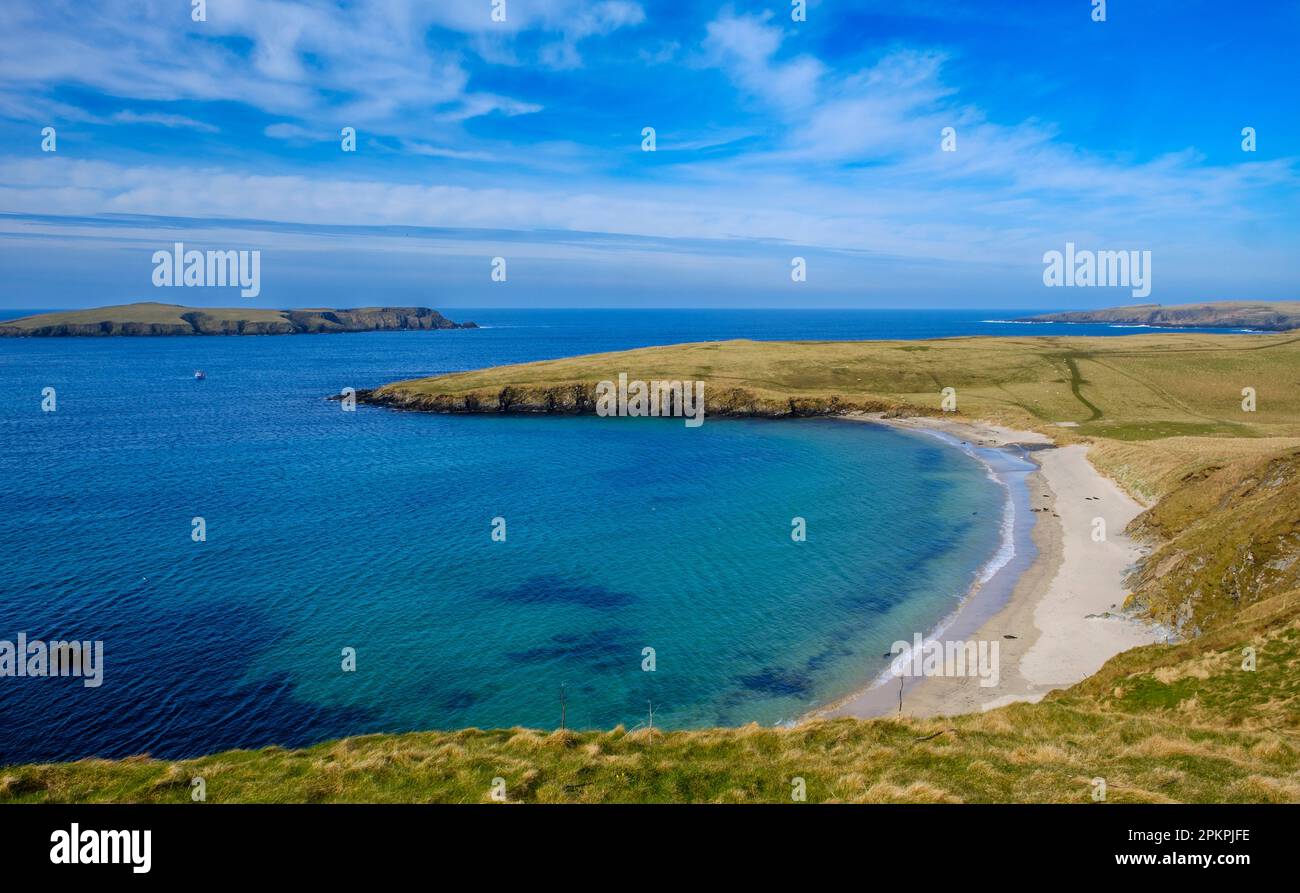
[(1261, 316), (148, 319)]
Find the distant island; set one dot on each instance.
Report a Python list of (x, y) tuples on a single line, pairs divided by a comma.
[(1263, 316), (152, 319)]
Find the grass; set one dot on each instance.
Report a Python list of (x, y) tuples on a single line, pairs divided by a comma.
[(1173, 722), (1148, 469), (1143, 387), (1228, 536)]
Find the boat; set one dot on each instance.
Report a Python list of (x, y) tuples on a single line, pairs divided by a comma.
[(200, 374)]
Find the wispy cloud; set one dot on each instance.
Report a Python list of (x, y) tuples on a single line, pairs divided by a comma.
[(366, 62), (746, 47), (160, 119), (770, 133), (430, 151), (296, 133)]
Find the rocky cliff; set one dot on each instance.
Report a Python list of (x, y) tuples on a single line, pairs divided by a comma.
[(579, 398)]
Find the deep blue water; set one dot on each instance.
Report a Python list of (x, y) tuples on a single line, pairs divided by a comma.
[(371, 530)]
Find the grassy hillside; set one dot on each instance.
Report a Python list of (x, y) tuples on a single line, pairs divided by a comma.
[(1135, 388), (1229, 537), (1170, 722)]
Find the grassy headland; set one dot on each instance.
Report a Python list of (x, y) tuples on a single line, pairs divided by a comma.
[(1172, 722), (1133, 389)]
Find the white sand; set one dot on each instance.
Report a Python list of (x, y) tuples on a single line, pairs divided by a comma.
[(1057, 643)]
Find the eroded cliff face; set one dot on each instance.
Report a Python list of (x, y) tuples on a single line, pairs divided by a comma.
[(1226, 537), (203, 324), (370, 320), (95, 330), (291, 322), (579, 398)]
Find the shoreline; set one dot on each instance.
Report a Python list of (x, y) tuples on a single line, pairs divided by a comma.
[(1061, 613)]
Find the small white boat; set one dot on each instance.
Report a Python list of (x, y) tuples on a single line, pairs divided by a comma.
[(200, 374)]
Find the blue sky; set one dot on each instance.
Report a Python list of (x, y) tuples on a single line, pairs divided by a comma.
[(523, 139)]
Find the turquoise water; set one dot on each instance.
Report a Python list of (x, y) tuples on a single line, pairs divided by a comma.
[(371, 530)]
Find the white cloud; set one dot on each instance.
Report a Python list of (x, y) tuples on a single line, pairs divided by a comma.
[(850, 160), (163, 120), (367, 62), (888, 117), (745, 46), (589, 21), (295, 133), (428, 150), (882, 213)]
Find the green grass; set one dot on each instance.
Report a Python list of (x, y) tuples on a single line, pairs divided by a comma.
[(1162, 430)]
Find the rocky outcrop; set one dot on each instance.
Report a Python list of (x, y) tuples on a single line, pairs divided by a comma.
[(204, 324), (371, 319), (107, 327), (579, 398)]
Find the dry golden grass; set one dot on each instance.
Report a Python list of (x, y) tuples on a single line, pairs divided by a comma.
[(1148, 469), (1138, 388)]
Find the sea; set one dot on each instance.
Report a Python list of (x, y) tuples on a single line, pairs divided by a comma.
[(347, 580)]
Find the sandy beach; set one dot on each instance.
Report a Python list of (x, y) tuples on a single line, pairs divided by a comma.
[(1064, 617)]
